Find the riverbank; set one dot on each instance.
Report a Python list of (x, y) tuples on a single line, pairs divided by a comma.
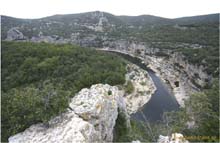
[(143, 88), (162, 99), (180, 84)]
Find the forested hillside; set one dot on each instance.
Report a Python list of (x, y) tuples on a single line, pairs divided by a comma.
[(38, 79)]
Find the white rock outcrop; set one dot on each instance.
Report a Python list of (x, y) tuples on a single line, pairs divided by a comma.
[(15, 34), (91, 118), (143, 88), (67, 127), (180, 82), (99, 105), (137, 141), (184, 77), (174, 138)]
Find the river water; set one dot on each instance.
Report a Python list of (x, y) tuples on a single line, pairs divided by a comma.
[(161, 101)]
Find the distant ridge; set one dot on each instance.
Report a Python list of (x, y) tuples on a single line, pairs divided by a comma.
[(98, 26)]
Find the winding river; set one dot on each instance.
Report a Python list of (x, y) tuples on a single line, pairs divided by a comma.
[(161, 101)]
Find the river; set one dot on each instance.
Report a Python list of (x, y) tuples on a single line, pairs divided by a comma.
[(161, 101)]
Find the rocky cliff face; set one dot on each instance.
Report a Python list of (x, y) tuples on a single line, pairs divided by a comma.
[(183, 77), (179, 81), (91, 117), (174, 59)]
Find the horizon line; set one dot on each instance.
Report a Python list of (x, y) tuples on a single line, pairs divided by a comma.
[(111, 14)]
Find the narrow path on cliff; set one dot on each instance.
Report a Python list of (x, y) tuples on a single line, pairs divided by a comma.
[(161, 101)]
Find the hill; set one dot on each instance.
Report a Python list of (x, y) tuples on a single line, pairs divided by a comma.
[(98, 26)]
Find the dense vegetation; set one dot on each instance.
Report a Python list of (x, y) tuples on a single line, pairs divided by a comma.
[(208, 57), (203, 109), (198, 121), (124, 133), (38, 79)]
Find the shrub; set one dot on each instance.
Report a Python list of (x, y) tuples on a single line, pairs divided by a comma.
[(129, 88)]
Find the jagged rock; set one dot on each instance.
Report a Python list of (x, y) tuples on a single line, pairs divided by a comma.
[(175, 138), (15, 34), (163, 139), (92, 118), (99, 105)]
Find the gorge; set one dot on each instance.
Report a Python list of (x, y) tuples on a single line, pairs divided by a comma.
[(99, 77), (161, 101)]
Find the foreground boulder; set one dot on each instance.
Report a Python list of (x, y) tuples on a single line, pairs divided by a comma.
[(91, 118), (100, 106), (67, 127)]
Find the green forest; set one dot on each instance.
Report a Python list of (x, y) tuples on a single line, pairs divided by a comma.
[(38, 80)]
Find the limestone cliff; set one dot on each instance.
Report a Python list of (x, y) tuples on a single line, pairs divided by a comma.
[(183, 77)]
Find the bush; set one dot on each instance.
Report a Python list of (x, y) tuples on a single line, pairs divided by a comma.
[(121, 131), (129, 88), (109, 92)]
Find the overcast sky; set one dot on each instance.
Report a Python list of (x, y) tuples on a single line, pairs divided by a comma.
[(163, 8)]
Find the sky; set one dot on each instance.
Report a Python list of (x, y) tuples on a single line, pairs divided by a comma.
[(164, 8)]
